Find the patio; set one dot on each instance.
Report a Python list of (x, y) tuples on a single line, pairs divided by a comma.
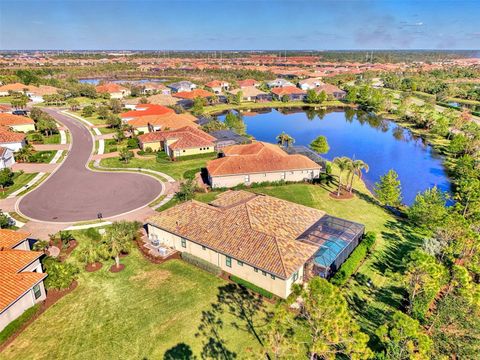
[(153, 247)]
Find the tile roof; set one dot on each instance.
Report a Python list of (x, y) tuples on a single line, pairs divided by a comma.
[(150, 109), (257, 157), (14, 87), (329, 89), (11, 238), (287, 90), (256, 229), (247, 82), (12, 120), (171, 121), (248, 91), (14, 282), (186, 137), (110, 88), (193, 94), (7, 136), (216, 83)]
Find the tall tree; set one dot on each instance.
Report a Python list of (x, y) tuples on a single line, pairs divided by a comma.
[(388, 190), (343, 163), (357, 167), (118, 238), (428, 208)]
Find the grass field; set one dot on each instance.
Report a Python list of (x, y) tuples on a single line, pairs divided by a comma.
[(19, 181), (139, 313)]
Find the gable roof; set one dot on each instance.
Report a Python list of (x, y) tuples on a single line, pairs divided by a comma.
[(258, 157), (193, 94), (185, 137), (147, 109), (11, 238), (256, 229), (12, 120), (287, 90)]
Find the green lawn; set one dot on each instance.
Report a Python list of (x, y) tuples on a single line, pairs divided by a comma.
[(19, 181), (176, 169), (52, 139), (139, 313)]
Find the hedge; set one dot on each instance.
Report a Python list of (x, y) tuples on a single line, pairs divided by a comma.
[(190, 174), (353, 261), (252, 287), (16, 324), (202, 264)]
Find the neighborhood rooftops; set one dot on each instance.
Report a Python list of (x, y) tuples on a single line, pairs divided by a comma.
[(170, 121), (191, 95), (247, 82), (287, 90), (256, 229), (110, 88), (12, 120), (7, 136), (257, 157), (9, 238), (146, 110), (185, 138)]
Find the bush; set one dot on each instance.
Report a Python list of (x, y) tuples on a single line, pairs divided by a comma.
[(60, 275), (11, 328), (132, 143), (190, 174), (93, 234), (252, 287), (202, 264), (351, 264)]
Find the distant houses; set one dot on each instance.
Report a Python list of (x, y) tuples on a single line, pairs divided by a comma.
[(292, 92), (17, 123), (116, 91), (182, 86), (278, 83), (332, 91), (251, 93), (310, 83), (248, 83), (218, 87)]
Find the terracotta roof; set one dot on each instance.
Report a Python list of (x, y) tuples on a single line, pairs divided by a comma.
[(171, 121), (7, 136), (247, 82), (14, 282), (193, 94), (11, 238), (4, 108), (287, 90), (150, 109), (256, 229), (258, 157), (329, 89), (12, 120), (14, 87), (110, 88), (186, 137), (215, 83)]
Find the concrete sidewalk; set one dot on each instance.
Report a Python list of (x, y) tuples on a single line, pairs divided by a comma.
[(46, 147), (30, 168)]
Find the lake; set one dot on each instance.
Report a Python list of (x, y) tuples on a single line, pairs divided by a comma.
[(381, 143)]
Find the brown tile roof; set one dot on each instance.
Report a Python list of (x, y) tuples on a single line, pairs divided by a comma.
[(110, 88), (15, 283), (11, 238), (7, 136), (150, 109), (328, 88), (12, 120), (287, 90), (14, 87), (194, 94), (256, 229), (247, 82), (257, 157), (215, 83), (186, 137), (171, 121)]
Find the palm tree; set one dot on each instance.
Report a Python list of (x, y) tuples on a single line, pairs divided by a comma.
[(284, 138), (24, 153), (357, 167), (343, 164), (119, 237)]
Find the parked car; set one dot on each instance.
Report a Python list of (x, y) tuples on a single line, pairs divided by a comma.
[(20, 112)]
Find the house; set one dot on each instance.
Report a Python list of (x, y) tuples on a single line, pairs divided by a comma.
[(182, 86), (170, 121), (6, 89), (292, 92), (155, 88), (184, 141), (116, 91), (192, 95), (17, 122), (332, 91), (309, 84), (269, 242), (13, 141), (217, 86), (251, 93), (279, 83), (259, 162), (21, 274), (6, 158), (227, 138), (146, 110), (5, 108), (35, 93), (248, 83)]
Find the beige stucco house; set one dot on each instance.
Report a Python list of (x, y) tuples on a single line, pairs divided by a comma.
[(259, 162), (17, 122), (21, 275)]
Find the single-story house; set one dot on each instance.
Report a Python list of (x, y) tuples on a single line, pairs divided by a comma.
[(6, 158), (15, 87), (182, 86), (332, 91), (292, 92), (170, 121), (269, 242), (17, 123), (192, 95), (35, 93), (310, 83), (218, 86), (259, 162), (279, 83), (227, 138), (11, 140), (155, 87), (5, 108), (146, 110), (184, 141), (21, 274), (116, 91), (251, 93), (247, 83)]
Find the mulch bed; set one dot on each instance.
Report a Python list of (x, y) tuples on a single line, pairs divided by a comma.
[(115, 269), (92, 267), (52, 297), (344, 195)]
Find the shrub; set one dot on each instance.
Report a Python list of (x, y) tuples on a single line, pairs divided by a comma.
[(93, 234), (148, 149), (12, 328), (252, 287), (132, 143), (190, 174), (202, 264), (351, 264), (60, 275)]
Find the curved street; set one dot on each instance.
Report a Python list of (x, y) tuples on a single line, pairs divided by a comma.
[(75, 193)]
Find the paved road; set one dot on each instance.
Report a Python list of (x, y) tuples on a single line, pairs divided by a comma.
[(75, 193)]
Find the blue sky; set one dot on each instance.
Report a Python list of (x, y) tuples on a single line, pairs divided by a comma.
[(239, 24)]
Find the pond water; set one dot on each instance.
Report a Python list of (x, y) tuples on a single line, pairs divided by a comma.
[(382, 144), (139, 81)]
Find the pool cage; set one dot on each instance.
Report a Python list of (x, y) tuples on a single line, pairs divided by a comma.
[(337, 239)]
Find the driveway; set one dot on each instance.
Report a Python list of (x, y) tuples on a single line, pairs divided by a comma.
[(74, 193)]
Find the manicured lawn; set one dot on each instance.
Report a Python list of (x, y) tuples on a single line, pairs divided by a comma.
[(19, 181), (138, 313), (52, 139), (176, 169)]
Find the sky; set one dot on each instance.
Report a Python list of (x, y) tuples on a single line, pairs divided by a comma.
[(239, 24)]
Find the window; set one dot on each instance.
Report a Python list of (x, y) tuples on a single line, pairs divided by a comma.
[(228, 261), (184, 243), (295, 276), (183, 150), (264, 273), (239, 263), (37, 292), (273, 277), (208, 148), (255, 269), (247, 178), (284, 175), (204, 248)]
